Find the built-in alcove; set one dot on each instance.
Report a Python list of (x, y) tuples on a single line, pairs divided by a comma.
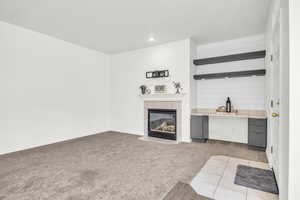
[(235, 69)]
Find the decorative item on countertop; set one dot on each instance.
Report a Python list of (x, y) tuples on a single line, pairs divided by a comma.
[(148, 91), (160, 88), (233, 110), (228, 105), (177, 86), (143, 89), (221, 109)]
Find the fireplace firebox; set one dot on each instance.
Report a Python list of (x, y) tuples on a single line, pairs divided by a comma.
[(162, 123)]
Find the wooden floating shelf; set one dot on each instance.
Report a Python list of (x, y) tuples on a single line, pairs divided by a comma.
[(260, 72), (231, 58)]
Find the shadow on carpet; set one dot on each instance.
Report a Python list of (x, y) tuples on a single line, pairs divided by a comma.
[(183, 191)]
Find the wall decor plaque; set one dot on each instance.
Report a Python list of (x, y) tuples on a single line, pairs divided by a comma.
[(157, 74)]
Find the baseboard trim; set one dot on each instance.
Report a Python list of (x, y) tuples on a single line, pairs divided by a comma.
[(269, 157), (127, 132), (186, 140)]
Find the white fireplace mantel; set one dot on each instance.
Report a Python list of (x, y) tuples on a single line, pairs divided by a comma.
[(163, 97)]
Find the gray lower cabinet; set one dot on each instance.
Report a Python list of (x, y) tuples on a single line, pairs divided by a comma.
[(199, 128), (257, 132)]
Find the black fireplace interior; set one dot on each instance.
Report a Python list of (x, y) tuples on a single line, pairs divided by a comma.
[(162, 123)]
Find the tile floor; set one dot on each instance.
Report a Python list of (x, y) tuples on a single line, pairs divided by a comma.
[(216, 180)]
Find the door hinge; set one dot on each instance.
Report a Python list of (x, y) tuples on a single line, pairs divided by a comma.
[(272, 103), (271, 57), (271, 149)]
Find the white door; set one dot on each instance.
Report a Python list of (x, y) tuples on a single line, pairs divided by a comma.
[(275, 94)]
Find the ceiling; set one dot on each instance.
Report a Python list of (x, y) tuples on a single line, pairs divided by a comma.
[(113, 26)]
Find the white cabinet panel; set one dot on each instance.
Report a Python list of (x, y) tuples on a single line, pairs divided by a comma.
[(228, 129)]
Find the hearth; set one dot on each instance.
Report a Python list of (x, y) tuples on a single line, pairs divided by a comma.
[(162, 123)]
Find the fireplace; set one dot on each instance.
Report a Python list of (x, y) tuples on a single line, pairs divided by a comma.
[(162, 123)]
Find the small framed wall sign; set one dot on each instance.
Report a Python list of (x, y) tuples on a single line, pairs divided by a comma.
[(157, 74)]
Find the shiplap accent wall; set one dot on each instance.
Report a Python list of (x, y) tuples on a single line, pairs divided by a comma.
[(245, 92)]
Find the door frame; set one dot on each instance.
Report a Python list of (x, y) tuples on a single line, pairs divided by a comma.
[(276, 95), (276, 21)]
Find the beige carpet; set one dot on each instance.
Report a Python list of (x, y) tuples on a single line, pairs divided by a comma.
[(107, 166)]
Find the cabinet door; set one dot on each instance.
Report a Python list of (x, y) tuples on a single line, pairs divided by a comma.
[(196, 127), (257, 132), (205, 127)]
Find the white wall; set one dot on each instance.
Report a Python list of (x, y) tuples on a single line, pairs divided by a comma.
[(294, 106), (50, 90), (128, 73), (246, 92)]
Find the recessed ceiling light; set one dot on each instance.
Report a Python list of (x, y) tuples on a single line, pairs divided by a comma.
[(151, 39)]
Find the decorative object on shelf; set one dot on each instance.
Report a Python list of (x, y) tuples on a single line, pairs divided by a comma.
[(160, 88), (143, 89), (157, 74), (177, 86), (148, 91)]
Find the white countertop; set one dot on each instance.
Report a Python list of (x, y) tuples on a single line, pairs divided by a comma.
[(257, 114)]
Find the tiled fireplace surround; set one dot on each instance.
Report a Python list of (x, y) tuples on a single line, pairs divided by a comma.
[(157, 104)]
